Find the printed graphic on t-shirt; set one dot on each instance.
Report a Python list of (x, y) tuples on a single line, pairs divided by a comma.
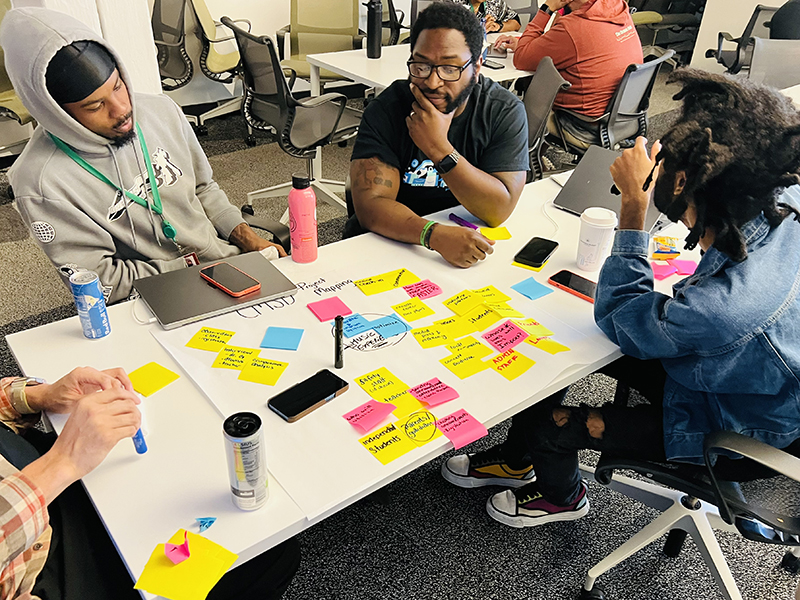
[(423, 174), (167, 174), (625, 33)]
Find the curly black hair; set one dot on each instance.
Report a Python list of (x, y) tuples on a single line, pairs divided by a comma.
[(739, 144), (447, 15)]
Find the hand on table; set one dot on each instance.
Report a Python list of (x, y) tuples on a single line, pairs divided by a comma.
[(491, 25), (630, 171), (249, 241), (61, 396), (428, 127), (506, 42), (460, 246)]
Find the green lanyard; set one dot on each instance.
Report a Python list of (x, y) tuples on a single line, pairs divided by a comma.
[(166, 226)]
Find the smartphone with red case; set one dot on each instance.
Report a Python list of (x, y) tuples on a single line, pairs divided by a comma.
[(229, 279), (574, 284)]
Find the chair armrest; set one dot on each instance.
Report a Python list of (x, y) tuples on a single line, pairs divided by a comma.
[(279, 231), (402, 16), (315, 101), (292, 76), (359, 40), (646, 17), (170, 45), (280, 36)]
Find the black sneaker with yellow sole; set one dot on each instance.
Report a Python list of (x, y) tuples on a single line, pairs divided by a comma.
[(485, 468)]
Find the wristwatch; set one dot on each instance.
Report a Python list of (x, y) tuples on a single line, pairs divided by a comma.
[(545, 9), (448, 163), (17, 395)]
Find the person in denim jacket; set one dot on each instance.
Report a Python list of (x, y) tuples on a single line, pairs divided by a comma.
[(723, 353)]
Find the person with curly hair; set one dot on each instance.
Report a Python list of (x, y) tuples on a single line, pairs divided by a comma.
[(721, 353)]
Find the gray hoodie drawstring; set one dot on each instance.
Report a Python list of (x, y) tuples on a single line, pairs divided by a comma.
[(147, 192)]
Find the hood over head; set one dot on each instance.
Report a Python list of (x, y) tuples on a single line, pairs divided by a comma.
[(31, 38), (611, 11)]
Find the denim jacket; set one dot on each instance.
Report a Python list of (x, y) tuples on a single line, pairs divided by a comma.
[(729, 338)]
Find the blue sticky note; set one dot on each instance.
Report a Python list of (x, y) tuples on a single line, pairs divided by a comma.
[(205, 522), (353, 325), (282, 338), (531, 288), (389, 326)]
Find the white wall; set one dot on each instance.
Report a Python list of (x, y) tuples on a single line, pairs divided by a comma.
[(722, 15)]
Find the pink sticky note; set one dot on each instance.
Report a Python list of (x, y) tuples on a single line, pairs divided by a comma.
[(461, 428), (685, 267), (367, 416), (662, 271), (178, 553), (423, 289), (329, 309), (433, 392), (505, 336)]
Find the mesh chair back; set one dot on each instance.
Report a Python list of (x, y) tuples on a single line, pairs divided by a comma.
[(216, 66), (776, 63), (391, 23), (538, 101), (327, 26), (758, 25), (174, 64)]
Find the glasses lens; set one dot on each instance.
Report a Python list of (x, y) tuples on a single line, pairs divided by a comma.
[(420, 70), (448, 73)]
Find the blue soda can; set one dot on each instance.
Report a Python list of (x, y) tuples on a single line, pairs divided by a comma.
[(90, 303)]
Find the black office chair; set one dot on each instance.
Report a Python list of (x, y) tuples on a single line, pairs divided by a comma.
[(624, 120), (775, 63), (392, 24), (667, 25), (547, 82), (301, 125), (739, 58), (698, 498), (169, 33)]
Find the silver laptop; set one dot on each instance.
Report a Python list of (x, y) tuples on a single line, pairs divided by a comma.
[(180, 297), (590, 185)]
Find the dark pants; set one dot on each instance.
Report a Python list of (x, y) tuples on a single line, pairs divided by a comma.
[(549, 435), (83, 563)]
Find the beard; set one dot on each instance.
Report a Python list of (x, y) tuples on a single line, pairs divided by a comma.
[(462, 96), (124, 138)]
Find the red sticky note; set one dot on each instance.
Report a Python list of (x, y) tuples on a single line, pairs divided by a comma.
[(367, 416), (329, 309), (461, 428), (662, 271), (505, 336), (685, 267), (423, 289), (433, 392), (178, 553)]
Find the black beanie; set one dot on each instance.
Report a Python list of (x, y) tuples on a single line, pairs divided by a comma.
[(77, 70)]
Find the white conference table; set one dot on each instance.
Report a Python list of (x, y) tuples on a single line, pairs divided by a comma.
[(144, 499), (379, 73)]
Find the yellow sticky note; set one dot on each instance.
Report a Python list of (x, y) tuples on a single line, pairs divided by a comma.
[(511, 364), (516, 264), (387, 281), (191, 579), (533, 328), (463, 366), (233, 357), (469, 346), (428, 337), (548, 345), (463, 302), (413, 309), (491, 294), (150, 378), (262, 370), (482, 317), (387, 444), (495, 233), (405, 404), (419, 427), (455, 327), (210, 339), (381, 384), (505, 311)]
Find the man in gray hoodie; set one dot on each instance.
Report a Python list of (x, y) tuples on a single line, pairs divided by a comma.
[(111, 181)]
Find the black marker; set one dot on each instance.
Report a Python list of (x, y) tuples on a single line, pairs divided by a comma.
[(338, 345)]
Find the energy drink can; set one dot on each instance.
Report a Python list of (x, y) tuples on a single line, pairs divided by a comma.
[(90, 303), (247, 464)]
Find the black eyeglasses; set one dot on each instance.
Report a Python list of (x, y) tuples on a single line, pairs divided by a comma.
[(423, 70)]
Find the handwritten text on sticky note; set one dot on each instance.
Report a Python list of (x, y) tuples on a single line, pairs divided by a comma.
[(433, 392), (461, 428)]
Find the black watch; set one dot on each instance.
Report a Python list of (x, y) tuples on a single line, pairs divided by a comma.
[(545, 9), (448, 163)]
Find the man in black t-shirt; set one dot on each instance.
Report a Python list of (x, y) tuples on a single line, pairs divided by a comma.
[(447, 136)]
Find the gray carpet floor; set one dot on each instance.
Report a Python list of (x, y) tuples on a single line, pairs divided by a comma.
[(422, 538)]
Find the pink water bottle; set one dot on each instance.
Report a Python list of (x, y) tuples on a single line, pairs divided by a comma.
[(303, 219)]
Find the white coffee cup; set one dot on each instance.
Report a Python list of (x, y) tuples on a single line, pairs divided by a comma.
[(597, 229)]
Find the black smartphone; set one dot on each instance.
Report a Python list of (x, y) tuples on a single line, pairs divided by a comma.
[(300, 399), (574, 284), (492, 64), (536, 252), (229, 279)]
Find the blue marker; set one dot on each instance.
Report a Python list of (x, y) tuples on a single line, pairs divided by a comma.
[(139, 443)]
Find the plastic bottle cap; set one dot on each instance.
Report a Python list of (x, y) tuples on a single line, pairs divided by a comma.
[(599, 217), (300, 181)]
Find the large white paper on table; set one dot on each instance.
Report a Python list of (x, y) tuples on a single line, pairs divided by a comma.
[(318, 459)]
